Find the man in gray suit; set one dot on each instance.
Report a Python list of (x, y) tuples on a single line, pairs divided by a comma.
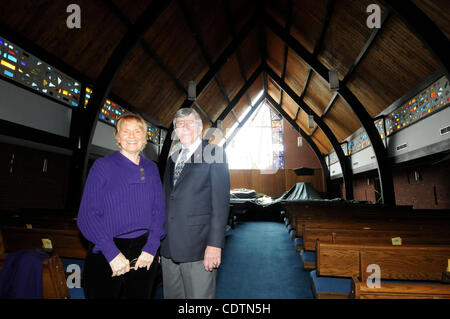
[(197, 192)]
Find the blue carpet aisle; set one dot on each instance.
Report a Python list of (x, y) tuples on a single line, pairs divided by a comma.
[(260, 261)]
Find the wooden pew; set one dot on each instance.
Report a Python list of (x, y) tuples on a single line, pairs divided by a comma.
[(54, 284), (424, 262), (368, 236), (313, 209), (337, 260), (26, 231), (388, 290), (65, 243), (406, 262), (418, 267), (379, 223), (332, 214)]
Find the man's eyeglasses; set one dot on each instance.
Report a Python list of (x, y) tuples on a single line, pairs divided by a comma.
[(179, 124)]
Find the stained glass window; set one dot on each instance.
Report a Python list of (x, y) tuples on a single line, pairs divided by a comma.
[(111, 112), (432, 99), (153, 133), (87, 96), (277, 140), (18, 65)]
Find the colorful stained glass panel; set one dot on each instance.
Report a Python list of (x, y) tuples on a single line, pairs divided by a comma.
[(18, 65)]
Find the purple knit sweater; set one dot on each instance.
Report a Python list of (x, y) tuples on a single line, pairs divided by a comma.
[(122, 199)]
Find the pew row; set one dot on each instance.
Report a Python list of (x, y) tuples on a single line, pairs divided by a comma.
[(380, 222), (337, 214), (25, 229), (64, 243), (403, 290), (405, 272), (368, 236), (395, 262)]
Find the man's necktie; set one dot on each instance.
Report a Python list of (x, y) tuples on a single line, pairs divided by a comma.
[(180, 165)]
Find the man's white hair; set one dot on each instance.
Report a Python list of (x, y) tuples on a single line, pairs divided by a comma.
[(186, 111)]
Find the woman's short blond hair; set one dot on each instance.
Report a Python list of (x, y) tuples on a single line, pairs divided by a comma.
[(130, 117)]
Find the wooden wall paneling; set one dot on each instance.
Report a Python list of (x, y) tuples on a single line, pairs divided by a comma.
[(295, 156), (240, 178), (272, 183), (316, 180)]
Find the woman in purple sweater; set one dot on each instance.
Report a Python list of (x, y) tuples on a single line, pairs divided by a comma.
[(122, 214)]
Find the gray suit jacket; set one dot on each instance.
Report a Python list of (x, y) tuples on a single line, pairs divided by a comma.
[(197, 206)]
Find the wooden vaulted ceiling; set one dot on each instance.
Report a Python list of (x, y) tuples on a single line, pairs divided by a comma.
[(189, 37)]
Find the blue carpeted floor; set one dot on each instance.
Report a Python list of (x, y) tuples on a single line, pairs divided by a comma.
[(260, 261)]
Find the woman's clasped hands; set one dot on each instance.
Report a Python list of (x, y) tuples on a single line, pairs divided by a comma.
[(121, 265)]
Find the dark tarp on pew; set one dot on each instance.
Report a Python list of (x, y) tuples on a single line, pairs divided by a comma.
[(300, 191), (247, 204)]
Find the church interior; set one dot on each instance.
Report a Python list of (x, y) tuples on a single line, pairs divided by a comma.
[(334, 115)]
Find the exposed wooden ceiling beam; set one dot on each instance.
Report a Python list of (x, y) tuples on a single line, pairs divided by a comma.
[(247, 116), (232, 27), (286, 48), (196, 34), (327, 109), (384, 165), (343, 159), (107, 76), (366, 47), (318, 46), (147, 47), (239, 95), (206, 79)]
